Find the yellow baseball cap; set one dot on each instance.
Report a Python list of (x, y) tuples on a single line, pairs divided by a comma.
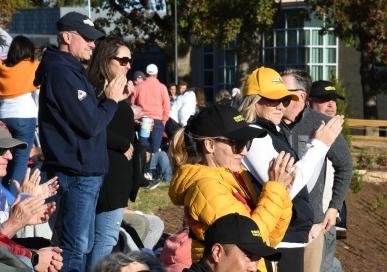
[(266, 83)]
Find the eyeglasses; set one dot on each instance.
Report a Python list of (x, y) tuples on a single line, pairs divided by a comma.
[(275, 102), (236, 146), (124, 60), (3, 151), (296, 90)]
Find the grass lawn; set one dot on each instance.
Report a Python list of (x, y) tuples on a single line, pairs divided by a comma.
[(149, 201)]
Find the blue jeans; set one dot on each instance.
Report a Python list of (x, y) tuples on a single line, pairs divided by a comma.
[(161, 166), (74, 224), (155, 138), (107, 229), (22, 129)]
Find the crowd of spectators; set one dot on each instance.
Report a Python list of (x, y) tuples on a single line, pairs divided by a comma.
[(261, 171)]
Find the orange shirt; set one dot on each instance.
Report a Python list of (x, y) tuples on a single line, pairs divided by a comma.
[(18, 79)]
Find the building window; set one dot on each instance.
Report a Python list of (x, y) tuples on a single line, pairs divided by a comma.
[(208, 70), (227, 61), (300, 45)]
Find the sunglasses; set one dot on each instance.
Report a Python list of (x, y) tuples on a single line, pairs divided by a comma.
[(236, 146), (123, 61), (296, 90), (275, 102), (3, 151)]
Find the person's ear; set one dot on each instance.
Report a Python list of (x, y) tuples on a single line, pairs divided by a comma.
[(66, 37), (208, 146), (216, 252), (303, 96)]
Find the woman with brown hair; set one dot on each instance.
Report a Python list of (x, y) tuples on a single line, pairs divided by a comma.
[(112, 58)]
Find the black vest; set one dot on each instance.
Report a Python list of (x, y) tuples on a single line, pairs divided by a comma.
[(302, 211)]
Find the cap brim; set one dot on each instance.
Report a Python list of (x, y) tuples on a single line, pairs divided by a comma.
[(278, 94), (256, 251), (11, 142), (246, 133), (90, 33)]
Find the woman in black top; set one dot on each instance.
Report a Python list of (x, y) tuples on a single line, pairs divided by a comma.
[(112, 58)]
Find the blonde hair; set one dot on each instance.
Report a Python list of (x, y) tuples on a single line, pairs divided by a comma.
[(185, 149), (247, 108)]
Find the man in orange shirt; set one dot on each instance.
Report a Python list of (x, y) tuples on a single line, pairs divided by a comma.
[(152, 96)]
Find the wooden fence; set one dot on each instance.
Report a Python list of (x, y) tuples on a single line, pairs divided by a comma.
[(367, 126)]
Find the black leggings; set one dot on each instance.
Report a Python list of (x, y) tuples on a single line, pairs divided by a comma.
[(292, 260)]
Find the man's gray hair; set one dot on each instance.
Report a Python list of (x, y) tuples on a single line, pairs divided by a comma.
[(302, 78)]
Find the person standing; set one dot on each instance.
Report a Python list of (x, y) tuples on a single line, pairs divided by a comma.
[(18, 103), (152, 96), (297, 124), (323, 98), (112, 57), (72, 127)]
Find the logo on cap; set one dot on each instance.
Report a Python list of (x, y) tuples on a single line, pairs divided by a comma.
[(238, 118), (276, 80), (330, 88), (88, 22), (255, 233)]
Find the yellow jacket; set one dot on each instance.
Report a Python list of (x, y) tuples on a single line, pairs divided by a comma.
[(209, 193)]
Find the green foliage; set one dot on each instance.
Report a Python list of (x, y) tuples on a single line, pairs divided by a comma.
[(199, 21), (360, 23), (341, 106), (356, 182)]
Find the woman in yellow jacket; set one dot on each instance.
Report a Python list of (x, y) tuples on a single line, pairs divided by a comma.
[(210, 183), (18, 102)]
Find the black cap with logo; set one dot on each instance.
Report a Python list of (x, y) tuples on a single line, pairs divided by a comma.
[(222, 121), (74, 21), (242, 232), (324, 90)]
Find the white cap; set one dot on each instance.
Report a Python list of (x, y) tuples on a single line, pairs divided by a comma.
[(235, 91), (151, 69)]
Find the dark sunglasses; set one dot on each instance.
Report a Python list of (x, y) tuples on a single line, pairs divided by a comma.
[(236, 146), (123, 61), (3, 151), (275, 102)]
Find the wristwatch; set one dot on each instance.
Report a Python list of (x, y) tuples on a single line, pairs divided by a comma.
[(34, 258)]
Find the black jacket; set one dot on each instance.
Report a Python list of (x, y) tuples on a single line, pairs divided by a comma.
[(302, 212), (118, 183), (72, 123)]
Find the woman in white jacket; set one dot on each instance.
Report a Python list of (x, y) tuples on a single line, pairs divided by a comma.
[(265, 101)]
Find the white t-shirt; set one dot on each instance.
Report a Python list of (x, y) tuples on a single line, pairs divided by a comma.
[(183, 107), (23, 106)]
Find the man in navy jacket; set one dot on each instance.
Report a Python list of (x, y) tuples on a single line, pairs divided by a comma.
[(73, 133)]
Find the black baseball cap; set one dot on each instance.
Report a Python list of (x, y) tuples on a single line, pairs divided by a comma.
[(324, 90), (137, 74), (222, 121), (243, 232), (74, 21)]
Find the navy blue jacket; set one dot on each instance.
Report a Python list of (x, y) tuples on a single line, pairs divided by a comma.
[(72, 122)]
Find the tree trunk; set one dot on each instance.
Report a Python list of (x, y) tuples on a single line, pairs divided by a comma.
[(369, 94), (184, 62), (249, 57)]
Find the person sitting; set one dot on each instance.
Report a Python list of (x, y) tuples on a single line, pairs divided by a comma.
[(210, 182), (134, 261), (27, 209), (233, 242)]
